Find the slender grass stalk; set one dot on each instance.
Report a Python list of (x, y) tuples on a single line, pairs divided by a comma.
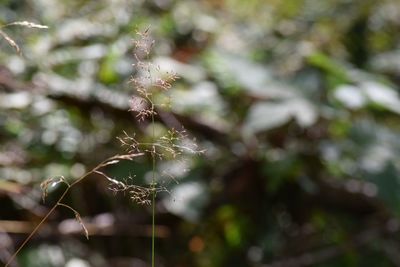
[(146, 109), (11, 259), (109, 161), (153, 196), (153, 223)]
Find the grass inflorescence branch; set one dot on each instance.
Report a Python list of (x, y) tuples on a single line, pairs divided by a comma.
[(148, 83), (56, 180)]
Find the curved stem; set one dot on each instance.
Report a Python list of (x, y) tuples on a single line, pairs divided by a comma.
[(60, 199), (37, 228)]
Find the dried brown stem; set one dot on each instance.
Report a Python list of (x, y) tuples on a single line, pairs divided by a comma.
[(109, 161)]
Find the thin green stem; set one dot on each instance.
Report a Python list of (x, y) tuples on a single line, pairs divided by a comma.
[(153, 187), (153, 223)]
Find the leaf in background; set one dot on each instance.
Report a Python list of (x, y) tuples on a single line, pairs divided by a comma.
[(188, 72), (268, 115), (107, 71), (382, 95), (355, 97), (388, 62), (187, 200), (27, 24), (254, 78), (325, 63), (350, 96)]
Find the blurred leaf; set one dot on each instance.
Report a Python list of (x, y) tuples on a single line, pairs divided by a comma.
[(351, 96), (382, 95), (330, 66), (107, 72), (187, 200), (253, 78), (233, 228), (27, 24), (264, 116)]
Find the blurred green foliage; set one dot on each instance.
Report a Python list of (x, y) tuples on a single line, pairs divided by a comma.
[(296, 103)]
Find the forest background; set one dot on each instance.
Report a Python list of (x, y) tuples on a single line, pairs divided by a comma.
[(295, 103)]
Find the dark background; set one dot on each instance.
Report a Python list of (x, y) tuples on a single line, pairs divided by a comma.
[(295, 102)]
